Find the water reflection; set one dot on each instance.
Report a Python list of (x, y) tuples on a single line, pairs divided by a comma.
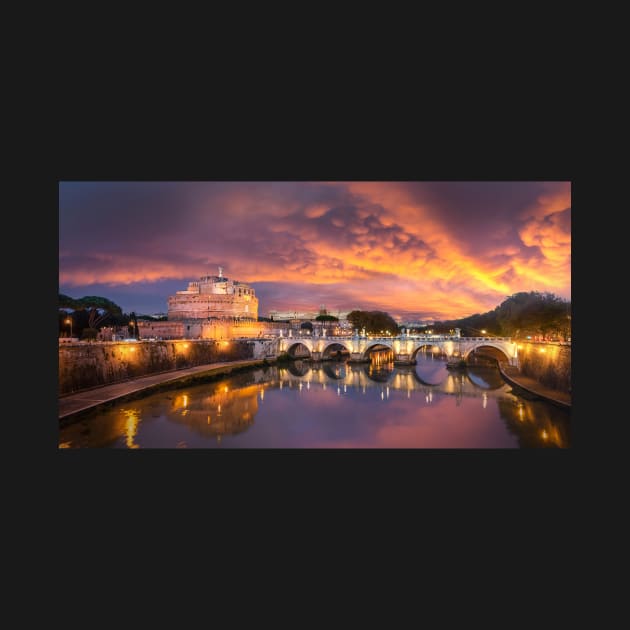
[(332, 405)]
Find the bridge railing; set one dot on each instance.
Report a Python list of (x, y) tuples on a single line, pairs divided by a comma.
[(413, 337), (436, 338)]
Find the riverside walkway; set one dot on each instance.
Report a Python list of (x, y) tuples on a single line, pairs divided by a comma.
[(71, 404), (513, 375)]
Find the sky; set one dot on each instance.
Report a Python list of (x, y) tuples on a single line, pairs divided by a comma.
[(417, 250)]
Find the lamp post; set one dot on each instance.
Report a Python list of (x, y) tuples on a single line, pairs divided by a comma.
[(69, 321)]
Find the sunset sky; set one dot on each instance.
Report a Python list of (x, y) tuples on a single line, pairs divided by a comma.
[(418, 250)]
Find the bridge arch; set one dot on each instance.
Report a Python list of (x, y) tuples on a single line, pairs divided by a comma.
[(333, 345), (487, 344), (299, 350), (377, 345)]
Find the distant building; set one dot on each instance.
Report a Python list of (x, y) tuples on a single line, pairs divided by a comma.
[(303, 316)]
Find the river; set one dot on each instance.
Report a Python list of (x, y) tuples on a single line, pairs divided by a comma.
[(331, 405)]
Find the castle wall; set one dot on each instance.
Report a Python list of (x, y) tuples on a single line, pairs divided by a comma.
[(204, 305), (204, 329)]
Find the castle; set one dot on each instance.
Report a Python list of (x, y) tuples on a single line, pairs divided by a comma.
[(214, 297), (213, 307)]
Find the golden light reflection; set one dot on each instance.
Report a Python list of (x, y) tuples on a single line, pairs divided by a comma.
[(132, 418), (544, 434)]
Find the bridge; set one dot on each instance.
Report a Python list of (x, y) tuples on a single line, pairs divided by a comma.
[(404, 347)]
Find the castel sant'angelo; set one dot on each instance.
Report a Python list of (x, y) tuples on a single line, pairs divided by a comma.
[(214, 297), (213, 307)]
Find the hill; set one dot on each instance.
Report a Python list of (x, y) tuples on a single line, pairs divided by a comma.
[(520, 315)]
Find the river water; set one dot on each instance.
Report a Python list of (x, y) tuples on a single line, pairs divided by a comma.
[(331, 405)]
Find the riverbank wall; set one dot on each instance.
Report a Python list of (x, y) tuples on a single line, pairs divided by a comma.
[(549, 364), (86, 365)]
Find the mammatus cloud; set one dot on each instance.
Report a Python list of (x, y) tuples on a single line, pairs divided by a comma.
[(439, 250)]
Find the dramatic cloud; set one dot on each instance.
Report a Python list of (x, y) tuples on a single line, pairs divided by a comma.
[(415, 249)]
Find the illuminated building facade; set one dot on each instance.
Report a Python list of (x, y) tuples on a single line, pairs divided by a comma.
[(214, 297)]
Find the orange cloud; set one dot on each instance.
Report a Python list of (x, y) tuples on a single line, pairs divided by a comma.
[(380, 245)]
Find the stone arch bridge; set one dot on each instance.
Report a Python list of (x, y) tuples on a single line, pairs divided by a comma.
[(405, 348)]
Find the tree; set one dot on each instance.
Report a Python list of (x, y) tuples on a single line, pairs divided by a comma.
[(519, 315), (373, 321)]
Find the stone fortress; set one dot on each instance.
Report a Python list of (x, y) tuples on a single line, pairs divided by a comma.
[(214, 297), (213, 307)]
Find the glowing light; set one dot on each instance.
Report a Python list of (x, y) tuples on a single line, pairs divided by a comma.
[(131, 427), (483, 332), (185, 400), (545, 435), (225, 389), (543, 350)]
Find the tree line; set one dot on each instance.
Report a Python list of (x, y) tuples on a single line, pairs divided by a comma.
[(90, 314), (520, 315)]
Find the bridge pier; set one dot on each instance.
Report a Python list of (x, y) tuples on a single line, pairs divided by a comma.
[(404, 359), (357, 357), (316, 356)]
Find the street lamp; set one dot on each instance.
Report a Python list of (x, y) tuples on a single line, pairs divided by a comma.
[(69, 321)]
